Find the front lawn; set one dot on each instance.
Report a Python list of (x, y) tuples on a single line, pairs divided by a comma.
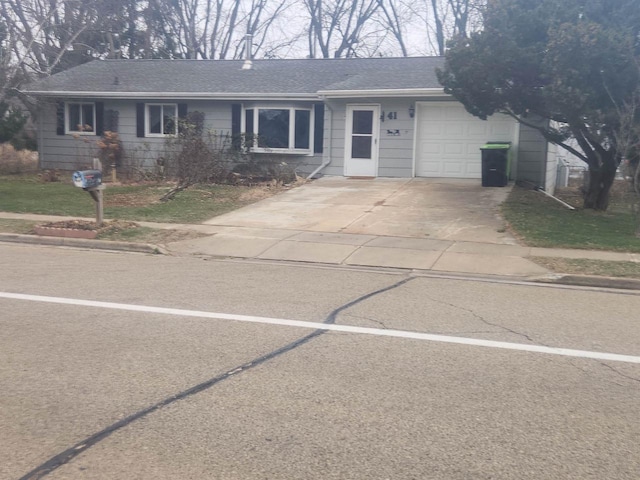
[(583, 266), (28, 194), (540, 221)]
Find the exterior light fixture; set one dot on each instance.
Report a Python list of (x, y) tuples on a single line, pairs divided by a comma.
[(412, 111)]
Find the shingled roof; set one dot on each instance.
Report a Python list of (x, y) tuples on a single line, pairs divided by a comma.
[(226, 79)]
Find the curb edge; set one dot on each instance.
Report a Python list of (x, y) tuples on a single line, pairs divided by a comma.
[(83, 243)]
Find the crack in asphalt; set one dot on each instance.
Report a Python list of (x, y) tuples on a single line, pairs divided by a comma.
[(488, 323), (523, 335), (618, 372), (372, 320), (613, 381), (609, 367), (66, 456)]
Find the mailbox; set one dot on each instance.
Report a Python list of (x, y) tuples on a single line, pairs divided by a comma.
[(87, 178)]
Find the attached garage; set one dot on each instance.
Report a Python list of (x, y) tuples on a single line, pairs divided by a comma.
[(448, 139)]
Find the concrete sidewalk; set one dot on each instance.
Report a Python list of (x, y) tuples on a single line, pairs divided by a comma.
[(382, 251), (356, 249)]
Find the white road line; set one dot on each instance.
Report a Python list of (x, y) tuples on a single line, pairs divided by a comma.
[(613, 357)]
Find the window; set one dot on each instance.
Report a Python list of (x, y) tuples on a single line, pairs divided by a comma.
[(280, 129), (362, 134), (162, 119), (80, 118)]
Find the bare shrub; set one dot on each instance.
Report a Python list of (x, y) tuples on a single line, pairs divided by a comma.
[(251, 169), (14, 161), (48, 176), (142, 164), (195, 156), (110, 151)]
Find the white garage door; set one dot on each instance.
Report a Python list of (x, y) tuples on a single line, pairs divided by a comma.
[(449, 140)]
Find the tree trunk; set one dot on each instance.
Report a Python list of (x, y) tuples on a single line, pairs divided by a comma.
[(599, 187)]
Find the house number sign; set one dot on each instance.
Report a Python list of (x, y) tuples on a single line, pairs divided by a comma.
[(390, 116)]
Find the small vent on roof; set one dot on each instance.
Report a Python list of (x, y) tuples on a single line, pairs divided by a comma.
[(116, 81), (248, 56)]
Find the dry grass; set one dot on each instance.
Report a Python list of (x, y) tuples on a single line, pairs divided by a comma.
[(14, 161), (267, 189), (622, 195), (117, 230), (590, 267), (22, 227)]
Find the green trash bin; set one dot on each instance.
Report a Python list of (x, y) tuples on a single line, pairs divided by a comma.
[(496, 164)]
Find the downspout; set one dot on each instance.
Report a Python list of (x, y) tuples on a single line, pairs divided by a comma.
[(327, 160)]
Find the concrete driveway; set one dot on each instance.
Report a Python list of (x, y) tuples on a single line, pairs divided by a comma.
[(443, 209), (424, 224)]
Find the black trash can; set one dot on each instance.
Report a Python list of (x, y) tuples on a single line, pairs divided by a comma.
[(496, 164)]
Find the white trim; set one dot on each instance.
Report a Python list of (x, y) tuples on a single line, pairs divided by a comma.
[(310, 97), (417, 106), (375, 135), (67, 123), (147, 123), (244, 96), (292, 127), (515, 147)]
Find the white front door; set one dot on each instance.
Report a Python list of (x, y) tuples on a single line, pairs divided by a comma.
[(361, 141)]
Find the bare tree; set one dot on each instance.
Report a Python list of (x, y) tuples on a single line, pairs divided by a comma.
[(396, 17), (40, 37), (466, 15), (41, 32), (215, 28), (336, 27), (441, 20), (627, 139)]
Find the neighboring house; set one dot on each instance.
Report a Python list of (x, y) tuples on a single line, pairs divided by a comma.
[(373, 117)]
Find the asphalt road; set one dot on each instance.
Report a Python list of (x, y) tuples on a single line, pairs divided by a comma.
[(130, 366)]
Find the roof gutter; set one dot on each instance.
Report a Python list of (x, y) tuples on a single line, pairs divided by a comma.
[(312, 97), (243, 96), (389, 92)]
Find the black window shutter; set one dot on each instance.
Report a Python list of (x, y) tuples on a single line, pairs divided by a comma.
[(182, 111), (236, 128), (99, 118), (60, 118), (248, 117), (318, 134), (140, 119)]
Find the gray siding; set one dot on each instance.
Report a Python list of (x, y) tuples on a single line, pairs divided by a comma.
[(396, 145), (335, 115), (532, 156), (69, 152), (64, 152), (551, 171), (396, 136)]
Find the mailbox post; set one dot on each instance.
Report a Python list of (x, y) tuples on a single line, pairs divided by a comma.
[(91, 181)]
